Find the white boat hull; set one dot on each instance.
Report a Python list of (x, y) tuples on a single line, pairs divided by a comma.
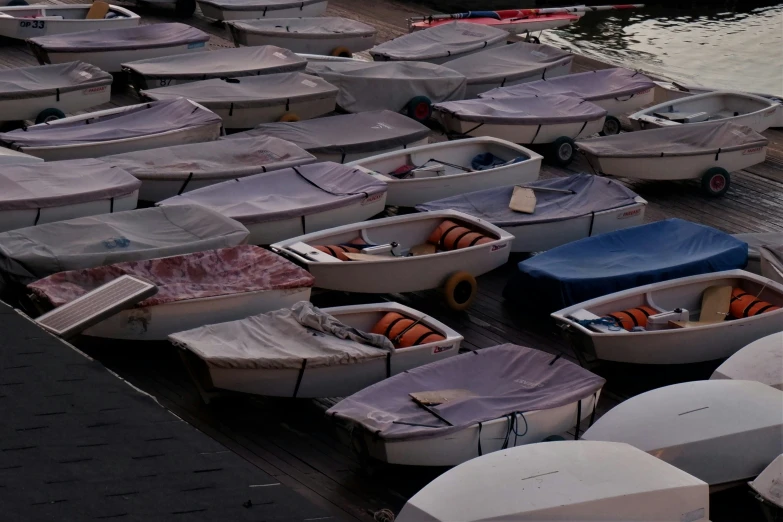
[(249, 117), (30, 108), (474, 89), (769, 485), (522, 134), (770, 270), (760, 361), (310, 10), (111, 61), (301, 44), (17, 22)]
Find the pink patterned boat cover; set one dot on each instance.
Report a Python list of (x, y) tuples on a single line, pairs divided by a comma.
[(212, 273)]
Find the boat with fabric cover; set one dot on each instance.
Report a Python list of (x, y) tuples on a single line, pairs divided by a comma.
[(503, 396), (206, 287), (115, 131), (10, 157), (290, 202), (219, 63), (755, 241), (30, 21), (37, 193), (767, 487), (722, 432), (108, 49), (761, 361), (772, 262), (676, 321), (245, 102), (255, 9), (580, 206), (304, 352)]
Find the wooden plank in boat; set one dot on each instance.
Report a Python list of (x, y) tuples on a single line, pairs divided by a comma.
[(435, 397), (423, 249), (523, 200), (366, 257)]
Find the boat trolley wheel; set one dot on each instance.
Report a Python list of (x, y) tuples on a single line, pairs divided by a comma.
[(288, 117), (419, 108), (14, 3), (533, 39), (460, 290), (611, 126), (342, 52), (563, 150), (48, 115), (715, 182)]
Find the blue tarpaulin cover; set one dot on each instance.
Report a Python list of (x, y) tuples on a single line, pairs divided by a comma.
[(620, 260)]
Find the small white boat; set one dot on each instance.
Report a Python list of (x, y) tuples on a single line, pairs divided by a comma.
[(440, 170), (171, 171), (327, 35), (745, 109), (676, 337), (470, 405), (605, 481), (329, 58), (114, 131), (243, 103), (567, 209), (287, 203), (403, 254), (553, 120), (37, 193), (761, 361), (768, 487), (255, 9), (108, 49), (772, 262), (45, 93), (720, 431), (346, 137), (206, 287), (755, 241), (31, 21), (11, 157), (707, 152), (220, 63), (277, 354)]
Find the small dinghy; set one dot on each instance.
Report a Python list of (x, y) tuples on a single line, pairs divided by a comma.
[(29, 254), (286, 203), (604, 481), (255, 9), (171, 171), (515, 21), (722, 432), (346, 137), (566, 209), (328, 35), (768, 487), (405, 253), (207, 287), (31, 21), (37, 193), (409, 87), (453, 410), (45, 93), (220, 63), (440, 44), (243, 103), (744, 109), (706, 152), (620, 260), (108, 49), (755, 241), (553, 120), (760, 361), (687, 320), (440, 170), (114, 131), (306, 352), (508, 65), (618, 90), (772, 262)]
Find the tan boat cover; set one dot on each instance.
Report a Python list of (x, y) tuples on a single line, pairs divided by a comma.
[(316, 28), (452, 39), (50, 80)]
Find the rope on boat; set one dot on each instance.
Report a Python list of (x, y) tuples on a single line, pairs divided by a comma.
[(603, 321), (383, 515)]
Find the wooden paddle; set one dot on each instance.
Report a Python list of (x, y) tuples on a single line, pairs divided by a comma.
[(523, 199)]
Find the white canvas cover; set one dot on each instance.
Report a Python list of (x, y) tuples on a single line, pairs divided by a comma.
[(509, 62), (322, 27), (249, 91), (259, 5), (126, 38), (29, 254), (50, 80), (283, 339), (444, 40), (370, 86), (524, 110), (60, 183)]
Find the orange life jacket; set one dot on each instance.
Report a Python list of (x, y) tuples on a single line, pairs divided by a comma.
[(451, 236), (744, 304), (633, 317), (393, 324), (338, 251)]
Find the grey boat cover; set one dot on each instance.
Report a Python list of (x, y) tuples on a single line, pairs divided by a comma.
[(249, 91), (49, 80), (283, 339), (238, 61), (510, 62), (346, 133), (322, 27), (286, 193), (143, 120), (758, 240), (591, 194), (122, 39), (212, 160), (675, 140), (61, 183), (524, 110), (259, 5), (29, 254), (504, 380), (452, 39), (592, 85), (773, 254), (371, 86)]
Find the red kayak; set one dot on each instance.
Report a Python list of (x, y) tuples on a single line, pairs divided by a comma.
[(511, 21)]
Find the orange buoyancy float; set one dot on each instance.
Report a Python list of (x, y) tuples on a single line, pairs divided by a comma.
[(744, 304), (339, 251), (452, 236), (410, 333), (633, 317)]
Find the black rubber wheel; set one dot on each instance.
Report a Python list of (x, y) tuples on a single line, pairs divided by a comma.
[(419, 108), (460, 290), (533, 39), (48, 115), (562, 151), (715, 182), (611, 126), (185, 8), (16, 2)]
